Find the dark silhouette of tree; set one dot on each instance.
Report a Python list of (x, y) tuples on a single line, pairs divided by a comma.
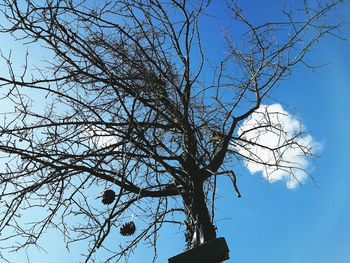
[(131, 106)]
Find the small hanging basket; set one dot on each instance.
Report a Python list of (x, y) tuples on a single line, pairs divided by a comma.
[(108, 196), (128, 229)]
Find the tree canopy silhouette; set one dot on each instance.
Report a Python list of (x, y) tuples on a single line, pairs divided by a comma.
[(130, 104)]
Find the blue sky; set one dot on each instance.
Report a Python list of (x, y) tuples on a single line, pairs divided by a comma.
[(309, 224), (271, 223)]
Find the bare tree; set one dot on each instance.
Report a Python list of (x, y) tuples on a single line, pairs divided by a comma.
[(130, 103)]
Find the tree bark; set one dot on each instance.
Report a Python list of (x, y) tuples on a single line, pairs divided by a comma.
[(197, 215)]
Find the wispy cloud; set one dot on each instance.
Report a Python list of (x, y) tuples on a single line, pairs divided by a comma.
[(273, 143)]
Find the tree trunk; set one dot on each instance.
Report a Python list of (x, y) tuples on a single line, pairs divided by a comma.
[(197, 215)]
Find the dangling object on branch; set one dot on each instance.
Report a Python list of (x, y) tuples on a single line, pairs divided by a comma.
[(108, 196), (128, 229)]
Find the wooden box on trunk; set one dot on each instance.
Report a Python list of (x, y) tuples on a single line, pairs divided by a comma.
[(214, 251)]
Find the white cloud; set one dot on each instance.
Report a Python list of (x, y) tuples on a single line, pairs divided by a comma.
[(99, 137), (272, 142)]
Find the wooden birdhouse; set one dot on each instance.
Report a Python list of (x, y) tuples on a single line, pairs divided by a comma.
[(214, 251)]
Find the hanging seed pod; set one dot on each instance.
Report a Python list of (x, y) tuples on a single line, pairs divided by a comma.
[(108, 196), (128, 229)]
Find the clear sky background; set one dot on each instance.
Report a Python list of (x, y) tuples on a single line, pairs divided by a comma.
[(271, 223)]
